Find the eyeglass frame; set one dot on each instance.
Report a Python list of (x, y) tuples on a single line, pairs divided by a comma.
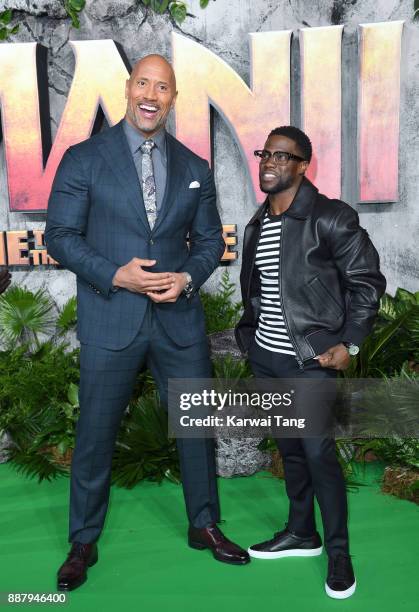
[(258, 153)]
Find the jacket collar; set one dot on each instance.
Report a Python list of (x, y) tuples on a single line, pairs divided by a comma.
[(114, 147), (301, 205)]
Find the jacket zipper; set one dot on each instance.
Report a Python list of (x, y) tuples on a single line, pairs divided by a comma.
[(297, 353)]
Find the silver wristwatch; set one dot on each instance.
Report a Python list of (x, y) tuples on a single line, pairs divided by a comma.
[(352, 349), (189, 288)]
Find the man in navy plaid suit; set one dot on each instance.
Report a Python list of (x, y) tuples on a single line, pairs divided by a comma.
[(133, 214)]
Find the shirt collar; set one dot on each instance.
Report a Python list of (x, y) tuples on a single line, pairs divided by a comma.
[(300, 207), (136, 139)]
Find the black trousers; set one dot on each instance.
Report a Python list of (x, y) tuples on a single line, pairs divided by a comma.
[(310, 464), (107, 380)]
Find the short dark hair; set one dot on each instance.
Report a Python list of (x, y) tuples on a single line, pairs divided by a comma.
[(302, 141)]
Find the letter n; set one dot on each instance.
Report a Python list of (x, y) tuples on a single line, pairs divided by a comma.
[(250, 112)]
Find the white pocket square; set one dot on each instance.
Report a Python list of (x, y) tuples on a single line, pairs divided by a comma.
[(194, 185)]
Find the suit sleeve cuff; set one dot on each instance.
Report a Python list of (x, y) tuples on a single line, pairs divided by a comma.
[(103, 283)]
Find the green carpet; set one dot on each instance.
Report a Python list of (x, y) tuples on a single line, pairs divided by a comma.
[(145, 564)]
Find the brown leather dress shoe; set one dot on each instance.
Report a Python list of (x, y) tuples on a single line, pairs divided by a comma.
[(222, 548), (73, 571)]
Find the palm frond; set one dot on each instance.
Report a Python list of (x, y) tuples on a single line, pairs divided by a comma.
[(24, 315), (41, 466), (67, 318), (143, 449)]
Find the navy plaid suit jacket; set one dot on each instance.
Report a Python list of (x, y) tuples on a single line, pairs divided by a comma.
[(96, 222)]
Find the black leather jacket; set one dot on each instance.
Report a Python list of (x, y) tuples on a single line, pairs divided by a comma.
[(329, 278)]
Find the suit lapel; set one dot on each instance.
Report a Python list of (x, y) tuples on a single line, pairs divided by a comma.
[(115, 150), (173, 179)]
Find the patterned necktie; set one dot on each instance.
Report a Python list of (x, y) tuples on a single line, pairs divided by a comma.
[(148, 184)]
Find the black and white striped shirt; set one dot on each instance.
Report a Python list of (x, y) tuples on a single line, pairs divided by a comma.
[(271, 333)]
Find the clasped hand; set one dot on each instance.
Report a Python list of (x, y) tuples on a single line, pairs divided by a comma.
[(336, 357), (158, 286)]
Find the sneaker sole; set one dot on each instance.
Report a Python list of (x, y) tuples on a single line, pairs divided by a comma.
[(340, 594), (294, 552)]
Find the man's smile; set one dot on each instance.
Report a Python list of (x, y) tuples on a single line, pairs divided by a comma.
[(148, 111), (268, 176)]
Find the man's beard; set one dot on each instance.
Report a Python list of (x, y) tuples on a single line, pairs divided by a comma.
[(144, 128), (281, 185)]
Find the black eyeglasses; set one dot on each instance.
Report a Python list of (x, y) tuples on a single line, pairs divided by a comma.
[(280, 157)]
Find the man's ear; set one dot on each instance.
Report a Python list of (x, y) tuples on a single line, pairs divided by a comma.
[(126, 88), (303, 167)]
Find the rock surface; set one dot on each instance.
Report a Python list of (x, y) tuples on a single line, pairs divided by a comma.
[(240, 457), (5, 444), (51, 8), (223, 344)]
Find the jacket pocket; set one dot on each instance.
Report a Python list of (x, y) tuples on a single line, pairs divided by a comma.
[(325, 298)]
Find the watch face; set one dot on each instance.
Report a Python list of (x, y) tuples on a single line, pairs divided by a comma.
[(353, 349)]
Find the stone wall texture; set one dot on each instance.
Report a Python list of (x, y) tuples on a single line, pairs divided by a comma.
[(223, 27)]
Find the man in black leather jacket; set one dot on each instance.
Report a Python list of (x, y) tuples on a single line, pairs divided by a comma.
[(311, 287)]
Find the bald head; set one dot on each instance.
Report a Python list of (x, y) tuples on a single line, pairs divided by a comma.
[(156, 62), (150, 93)]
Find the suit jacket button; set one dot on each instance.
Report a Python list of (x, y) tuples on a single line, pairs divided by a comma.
[(151, 241)]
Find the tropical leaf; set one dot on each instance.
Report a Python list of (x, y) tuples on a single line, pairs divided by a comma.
[(159, 6), (388, 309), (385, 336), (178, 11), (43, 466), (221, 312), (73, 8), (231, 369), (143, 449), (404, 296), (67, 318), (177, 8), (5, 29), (24, 315), (393, 450), (6, 16), (73, 395), (77, 5), (393, 340)]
